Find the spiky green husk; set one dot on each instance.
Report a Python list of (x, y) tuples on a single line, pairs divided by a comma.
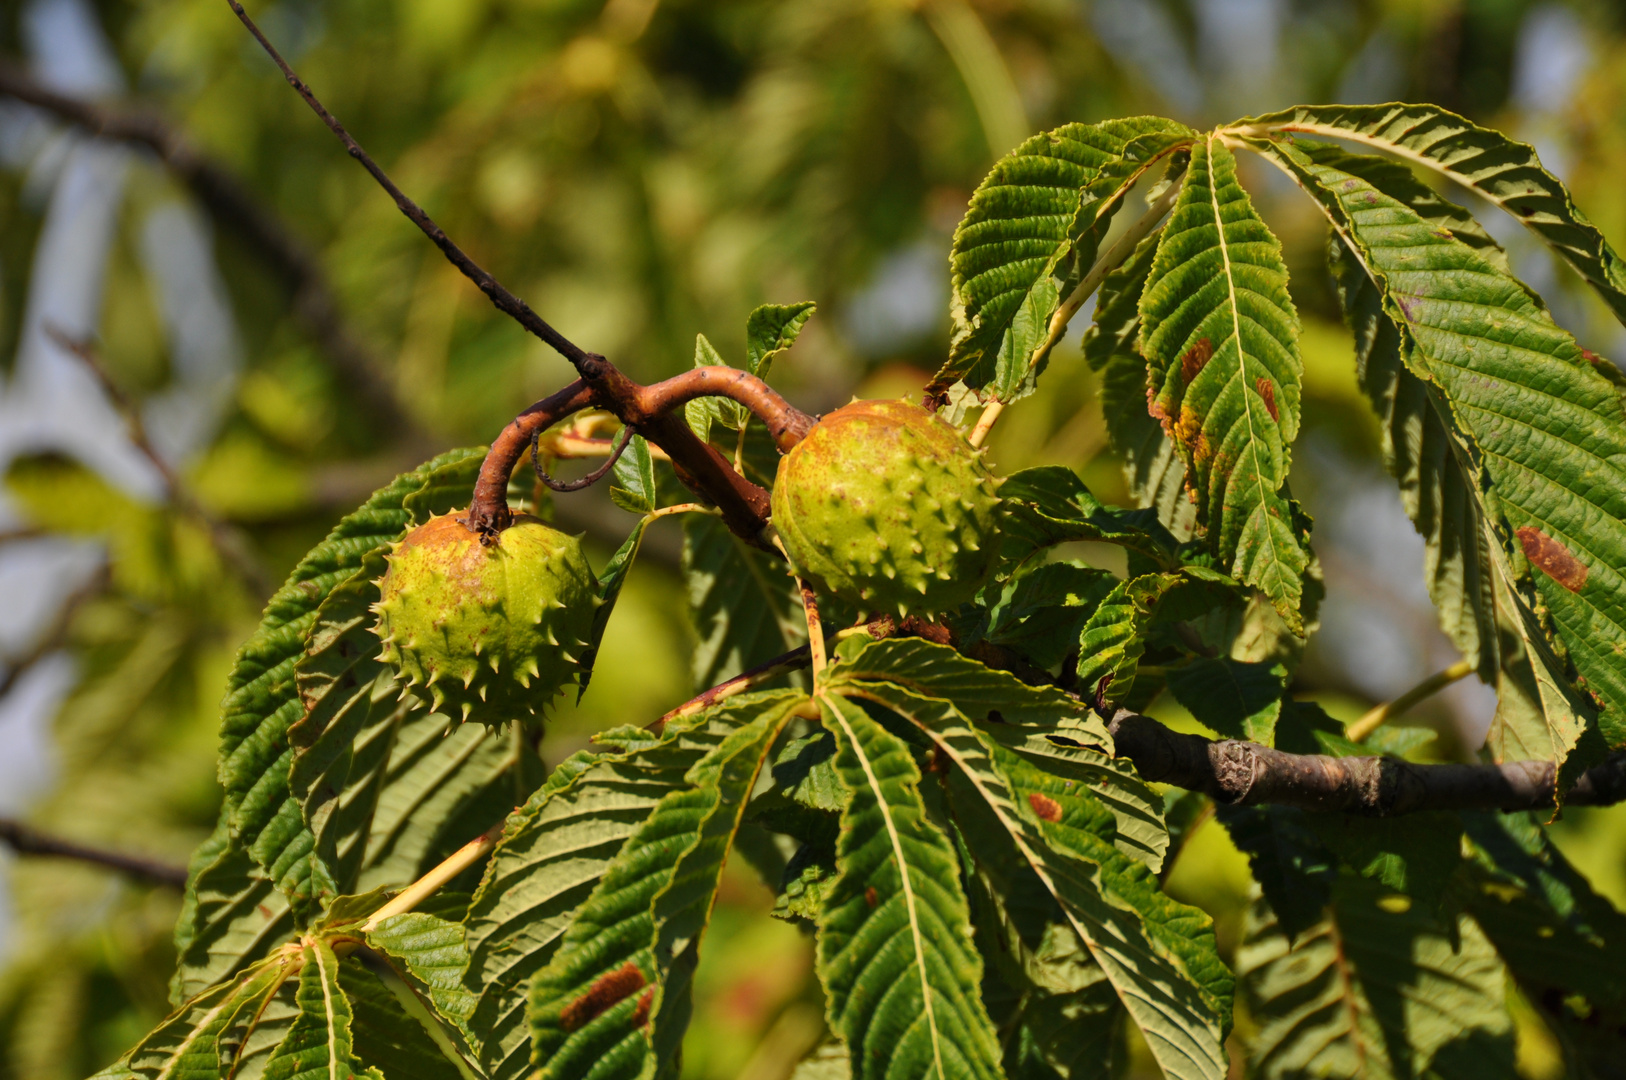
[(486, 633), (886, 506)]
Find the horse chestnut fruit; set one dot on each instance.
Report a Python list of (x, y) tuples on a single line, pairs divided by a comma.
[(885, 505), (488, 633)]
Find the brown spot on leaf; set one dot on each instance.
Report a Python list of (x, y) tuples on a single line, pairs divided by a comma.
[(607, 990), (1046, 807), (1154, 409), (870, 896), (1203, 451), (1189, 428), (1195, 359), (1526, 211), (640, 1015), (1267, 390), (1554, 559)]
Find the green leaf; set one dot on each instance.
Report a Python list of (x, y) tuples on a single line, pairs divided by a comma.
[(742, 602), (1377, 989), (1419, 452), (1288, 860), (1559, 938), (1048, 834), (1054, 1005), (431, 957), (1049, 505), (1237, 700), (1506, 172), (386, 1034), (1040, 613), (1019, 229), (702, 413), (1152, 468), (610, 581), (318, 1045), (262, 701), (233, 916), (614, 999), (201, 1039), (1415, 854), (634, 489), (1055, 731), (894, 939), (1114, 638), (553, 853), (1538, 429), (1220, 335), (770, 331)]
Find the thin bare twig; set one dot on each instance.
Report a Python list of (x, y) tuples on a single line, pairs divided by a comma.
[(228, 542), (744, 505), (25, 840), (794, 660), (230, 203), (1367, 724), (55, 635)]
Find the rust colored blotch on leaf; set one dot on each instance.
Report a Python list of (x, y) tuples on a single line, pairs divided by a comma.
[(870, 897), (1196, 357), (1267, 390), (1553, 558), (1045, 806), (640, 1015), (607, 990)]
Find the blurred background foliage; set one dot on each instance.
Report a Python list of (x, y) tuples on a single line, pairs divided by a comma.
[(640, 170)]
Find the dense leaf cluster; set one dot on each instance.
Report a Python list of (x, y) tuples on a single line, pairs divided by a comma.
[(979, 870)]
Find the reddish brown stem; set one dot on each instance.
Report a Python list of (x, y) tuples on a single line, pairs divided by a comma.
[(787, 425), (488, 512)]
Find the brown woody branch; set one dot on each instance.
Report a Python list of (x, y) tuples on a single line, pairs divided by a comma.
[(230, 543), (29, 841), (1243, 773), (234, 207), (744, 505)]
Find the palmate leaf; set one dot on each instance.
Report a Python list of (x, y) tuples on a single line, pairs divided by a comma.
[(1220, 336), (1376, 989), (1236, 699), (1056, 731), (1022, 824), (1040, 612), (202, 1039), (1418, 452), (429, 957), (385, 1034), (1049, 505), (318, 1045), (1114, 638), (743, 602), (1502, 170), (613, 1001), (895, 954), (1536, 424), (1152, 468), (232, 916), (1057, 190), (1560, 939), (553, 853), (262, 701)]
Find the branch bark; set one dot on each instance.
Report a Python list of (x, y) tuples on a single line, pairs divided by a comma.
[(230, 203), (29, 841), (1243, 773)]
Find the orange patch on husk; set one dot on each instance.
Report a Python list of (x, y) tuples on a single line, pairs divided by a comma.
[(1554, 559)]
